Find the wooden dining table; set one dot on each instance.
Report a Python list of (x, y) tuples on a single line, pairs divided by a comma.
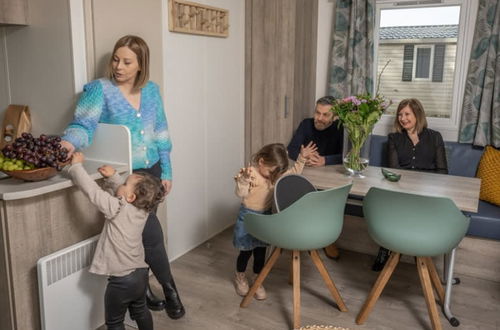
[(464, 191)]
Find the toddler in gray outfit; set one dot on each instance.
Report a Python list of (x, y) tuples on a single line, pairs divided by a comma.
[(119, 253)]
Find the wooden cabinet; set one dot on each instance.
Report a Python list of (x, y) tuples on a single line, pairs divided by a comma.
[(280, 69), (13, 12)]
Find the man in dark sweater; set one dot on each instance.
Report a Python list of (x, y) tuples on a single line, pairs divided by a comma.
[(323, 131)]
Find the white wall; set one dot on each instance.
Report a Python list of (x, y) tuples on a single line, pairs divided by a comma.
[(325, 19), (204, 101)]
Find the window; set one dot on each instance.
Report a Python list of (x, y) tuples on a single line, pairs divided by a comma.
[(423, 62), (426, 45), (425, 58)]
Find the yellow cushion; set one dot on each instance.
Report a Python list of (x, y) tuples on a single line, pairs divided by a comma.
[(489, 173)]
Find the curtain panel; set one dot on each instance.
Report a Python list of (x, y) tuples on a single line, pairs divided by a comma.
[(351, 56), (480, 122)]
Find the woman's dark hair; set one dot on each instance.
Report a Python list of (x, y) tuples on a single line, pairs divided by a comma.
[(273, 155), (141, 50), (149, 192), (418, 110)]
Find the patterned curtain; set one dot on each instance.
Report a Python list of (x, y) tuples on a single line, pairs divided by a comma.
[(480, 123), (351, 57)]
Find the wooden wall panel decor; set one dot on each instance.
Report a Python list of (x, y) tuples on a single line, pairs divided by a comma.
[(195, 18)]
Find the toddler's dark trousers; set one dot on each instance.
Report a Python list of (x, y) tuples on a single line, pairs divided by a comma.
[(127, 292)]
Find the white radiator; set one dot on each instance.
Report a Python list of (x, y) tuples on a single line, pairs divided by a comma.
[(70, 296)]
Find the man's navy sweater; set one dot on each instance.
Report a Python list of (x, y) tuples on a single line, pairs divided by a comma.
[(328, 141)]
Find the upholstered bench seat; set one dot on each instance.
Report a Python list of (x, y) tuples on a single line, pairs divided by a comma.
[(486, 222)]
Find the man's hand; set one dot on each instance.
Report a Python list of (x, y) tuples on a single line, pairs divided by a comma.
[(78, 157), (106, 171), (309, 150), (316, 161)]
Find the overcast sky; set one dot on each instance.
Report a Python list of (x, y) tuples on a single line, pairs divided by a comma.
[(420, 16)]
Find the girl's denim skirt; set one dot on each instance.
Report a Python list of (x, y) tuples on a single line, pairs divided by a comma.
[(241, 239)]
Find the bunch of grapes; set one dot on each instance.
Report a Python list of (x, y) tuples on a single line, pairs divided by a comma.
[(30, 152)]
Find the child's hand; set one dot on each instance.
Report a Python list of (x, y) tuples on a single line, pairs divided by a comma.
[(308, 151), (106, 171), (245, 174), (78, 157)]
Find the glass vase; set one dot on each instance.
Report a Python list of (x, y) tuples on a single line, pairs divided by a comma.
[(356, 151)]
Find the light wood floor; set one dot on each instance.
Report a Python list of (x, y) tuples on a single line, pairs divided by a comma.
[(204, 278)]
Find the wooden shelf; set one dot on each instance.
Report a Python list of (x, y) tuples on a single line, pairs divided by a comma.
[(195, 18)]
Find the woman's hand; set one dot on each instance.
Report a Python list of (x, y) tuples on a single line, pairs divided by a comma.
[(78, 157), (167, 184), (69, 146), (106, 171)]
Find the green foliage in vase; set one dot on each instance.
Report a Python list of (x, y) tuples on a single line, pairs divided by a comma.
[(358, 114)]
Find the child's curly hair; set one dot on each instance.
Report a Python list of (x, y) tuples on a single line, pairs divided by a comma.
[(149, 192)]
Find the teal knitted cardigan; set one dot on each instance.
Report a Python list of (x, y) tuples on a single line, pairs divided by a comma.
[(103, 102)]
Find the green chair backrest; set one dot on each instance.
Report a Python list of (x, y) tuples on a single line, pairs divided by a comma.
[(312, 222), (413, 224)]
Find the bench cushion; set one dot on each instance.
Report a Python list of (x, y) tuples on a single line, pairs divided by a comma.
[(486, 222), (462, 158), (378, 150)]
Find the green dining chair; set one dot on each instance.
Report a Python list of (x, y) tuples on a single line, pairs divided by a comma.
[(311, 223), (415, 225)]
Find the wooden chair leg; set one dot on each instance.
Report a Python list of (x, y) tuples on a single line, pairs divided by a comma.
[(378, 287), (290, 271), (258, 281), (425, 279), (436, 281), (331, 251), (328, 280), (296, 289)]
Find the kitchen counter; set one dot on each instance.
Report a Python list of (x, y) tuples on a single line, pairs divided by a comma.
[(40, 218), (12, 189)]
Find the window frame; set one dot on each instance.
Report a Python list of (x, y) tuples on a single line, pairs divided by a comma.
[(468, 11), (431, 62)]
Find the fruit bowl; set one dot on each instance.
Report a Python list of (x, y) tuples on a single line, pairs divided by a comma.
[(33, 159), (37, 174)]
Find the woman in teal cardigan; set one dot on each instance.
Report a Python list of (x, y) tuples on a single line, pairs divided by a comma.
[(127, 97)]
